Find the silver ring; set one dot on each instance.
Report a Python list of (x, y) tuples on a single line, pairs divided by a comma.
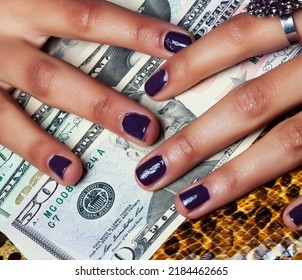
[(289, 28)]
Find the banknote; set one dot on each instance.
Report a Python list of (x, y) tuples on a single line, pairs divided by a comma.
[(90, 58), (106, 215)]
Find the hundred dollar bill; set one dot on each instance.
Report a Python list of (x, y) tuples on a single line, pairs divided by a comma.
[(107, 216)]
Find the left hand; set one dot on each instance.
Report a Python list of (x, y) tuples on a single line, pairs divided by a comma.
[(245, 109)]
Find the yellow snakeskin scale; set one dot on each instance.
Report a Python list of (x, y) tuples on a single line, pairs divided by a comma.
[(250, 228)]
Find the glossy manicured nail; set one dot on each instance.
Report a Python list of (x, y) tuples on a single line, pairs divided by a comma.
[(58, 165), (175, 42), (156, 82), (136, 125), (296, 215), (194, 197), (151, 170)]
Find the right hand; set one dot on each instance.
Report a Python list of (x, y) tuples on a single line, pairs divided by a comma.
[(245, 109), (25, 27)]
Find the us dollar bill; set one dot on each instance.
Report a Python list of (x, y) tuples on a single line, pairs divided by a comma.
[(106, 215)]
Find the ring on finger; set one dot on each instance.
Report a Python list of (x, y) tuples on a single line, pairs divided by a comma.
[(282, 8), (289, 27)]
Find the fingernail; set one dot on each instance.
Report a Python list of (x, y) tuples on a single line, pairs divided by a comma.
[(194, 197), (136, 125), (296, 215), (58, 165), (175, 42), (156, 82), (151, 170)]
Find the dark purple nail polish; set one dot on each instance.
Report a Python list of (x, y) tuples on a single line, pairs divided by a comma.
[(296, 215), (156, 82), (58, 165), (194, 197), (136, 125), (175, 42), (151, 170)]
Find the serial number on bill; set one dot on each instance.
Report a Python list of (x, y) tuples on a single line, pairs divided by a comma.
[(202, 271)]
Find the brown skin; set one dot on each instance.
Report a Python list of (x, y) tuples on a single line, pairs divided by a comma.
[(244, 110), (25, 27)]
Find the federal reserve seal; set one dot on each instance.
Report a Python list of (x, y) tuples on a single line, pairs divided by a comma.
[(95, 201)]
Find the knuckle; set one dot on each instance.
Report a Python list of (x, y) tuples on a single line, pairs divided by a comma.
[(144, 34), (290, 137), (141, 34), (5, 112), (31, 154), (184, 148), (101, 109), (82, 16), (238, 29), (42, 77), (231, 178), (253, 99)]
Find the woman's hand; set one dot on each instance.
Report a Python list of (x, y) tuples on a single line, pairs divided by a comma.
[(24, 28), (245, 109)]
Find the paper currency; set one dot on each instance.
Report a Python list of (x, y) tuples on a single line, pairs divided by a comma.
[(107, 216)]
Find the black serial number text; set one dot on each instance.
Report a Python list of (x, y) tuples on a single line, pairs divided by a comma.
[(204, 270)]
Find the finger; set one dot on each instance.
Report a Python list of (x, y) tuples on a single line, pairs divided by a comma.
[(276, 153), (104, 22), (292, 215), (61, 85), (239, 38), (247, 108), (36, 146)]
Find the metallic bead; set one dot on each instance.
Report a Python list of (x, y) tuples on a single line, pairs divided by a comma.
[(262, 8)]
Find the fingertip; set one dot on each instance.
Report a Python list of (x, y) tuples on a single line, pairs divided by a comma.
[(175, 41), (141, 128), (74, 173), (65, 169), (150, 171), (152, 132), (190, 202), (180, 208), (183, 211), (156, 83), (292, 215)]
